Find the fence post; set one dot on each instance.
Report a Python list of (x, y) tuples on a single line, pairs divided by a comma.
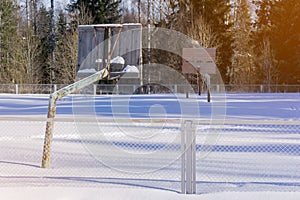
[(52, 109), (55, 87), (95, 89), (175, 89), (218, 88), (134, 88), (117, 89), (261, 88), (17, 88), (188, 157)]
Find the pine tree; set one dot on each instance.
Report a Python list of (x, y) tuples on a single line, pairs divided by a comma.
[(263, 11), (43, 34), (11, 69), (215, 14), (264, 52), (65, 52), (102, 11), (242, 67), (207, 22), (278, 25), (285, 38)]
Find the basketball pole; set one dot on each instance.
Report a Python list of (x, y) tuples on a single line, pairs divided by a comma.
[(64, 92)]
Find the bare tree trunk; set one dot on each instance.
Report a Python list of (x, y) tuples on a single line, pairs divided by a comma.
[(268, 66), (139, 11), (52, 42), (153, 11), (160, 10), (1, 37), (27, 14)]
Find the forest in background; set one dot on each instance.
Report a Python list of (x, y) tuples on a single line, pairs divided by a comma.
[(257, 41)]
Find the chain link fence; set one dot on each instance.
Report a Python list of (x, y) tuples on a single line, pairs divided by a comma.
[(131, 88), (89, 159), (249, 157), (142, 151), (246, 157)]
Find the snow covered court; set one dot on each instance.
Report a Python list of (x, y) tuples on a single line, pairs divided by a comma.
[(129, 147)]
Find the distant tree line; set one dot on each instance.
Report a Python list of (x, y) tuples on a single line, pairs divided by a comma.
[(258, 41)]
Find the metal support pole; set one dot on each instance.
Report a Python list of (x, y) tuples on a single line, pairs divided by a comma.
[(64, 92), (199, 81), (117, 89), (52, 110), (141, 59), (207, 81), (183, 155), (95, 89), (17, 89), (49, 131), (109, 49), (188, 158), (187, 86), (175, 89), (218, 88), (133, 88)]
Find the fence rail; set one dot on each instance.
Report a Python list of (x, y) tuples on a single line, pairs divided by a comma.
[(130, 88)]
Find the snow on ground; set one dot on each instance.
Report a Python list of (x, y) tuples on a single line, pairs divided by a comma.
[(64, 193), (281, 106), (128, 147)]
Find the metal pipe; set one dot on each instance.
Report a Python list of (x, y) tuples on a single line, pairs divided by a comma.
[(52, 110), (64, 92)]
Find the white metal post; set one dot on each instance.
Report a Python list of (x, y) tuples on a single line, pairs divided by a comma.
[(55, 87), (188, 158), (134, 88), (207, 80), (218, 88), (183, 152), (95, 89), (17, 89), (117, 89), (175, 89)]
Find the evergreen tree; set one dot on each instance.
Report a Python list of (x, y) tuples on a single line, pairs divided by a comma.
[(216, 14), (278, 25), (285, 38), (264, 51), (102, 11), (208, 23), (11, 69), (43, 34), (242, 67), (65, 52), (263, 21)]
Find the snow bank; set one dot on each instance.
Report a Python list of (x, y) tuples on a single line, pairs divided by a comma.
[(131, 68), (60, 193), (118, 60)]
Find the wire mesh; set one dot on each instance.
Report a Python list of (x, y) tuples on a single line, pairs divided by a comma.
[(104, 151), (131, 88), (85, 161), (249, 157)]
